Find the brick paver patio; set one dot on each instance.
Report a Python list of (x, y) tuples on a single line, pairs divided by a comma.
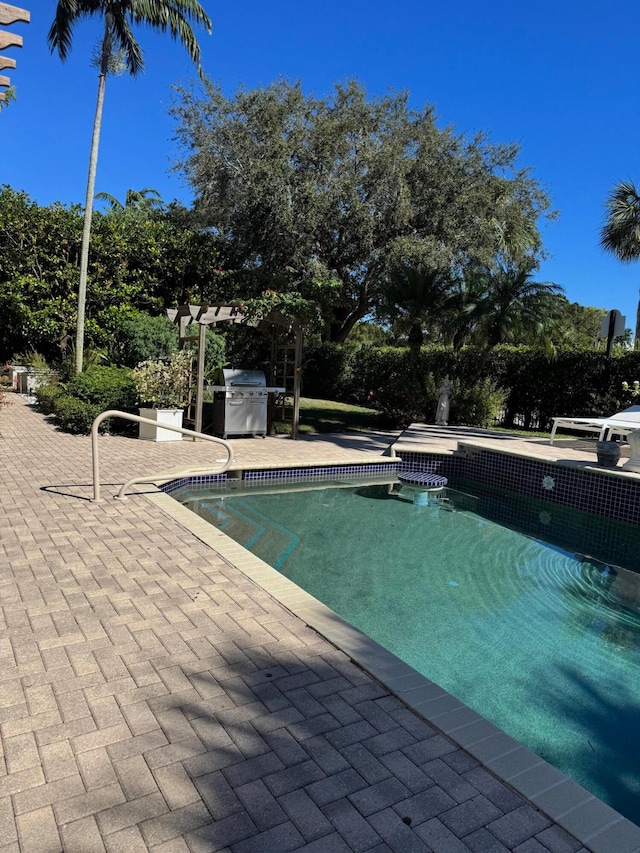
[(153, 698)]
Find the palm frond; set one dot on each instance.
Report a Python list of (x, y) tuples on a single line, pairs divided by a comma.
[(68, 13), (620, 234), (111, 200), (126, 41), (177, 17)]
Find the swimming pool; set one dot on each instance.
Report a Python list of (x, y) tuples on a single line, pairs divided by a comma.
[(542, 642)]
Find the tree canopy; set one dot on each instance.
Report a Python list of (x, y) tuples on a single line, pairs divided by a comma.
[(355, 185), (137, 262)]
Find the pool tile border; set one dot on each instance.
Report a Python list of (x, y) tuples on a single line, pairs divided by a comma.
[(609, 492), (284, 474), (593, 823)]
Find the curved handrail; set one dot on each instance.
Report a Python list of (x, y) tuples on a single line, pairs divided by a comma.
[(115, 413)]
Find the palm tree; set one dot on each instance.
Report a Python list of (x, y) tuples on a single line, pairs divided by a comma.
[(464, 308), (146, 199), (620, 233), (514, 308), (415, 296), (173, 16)]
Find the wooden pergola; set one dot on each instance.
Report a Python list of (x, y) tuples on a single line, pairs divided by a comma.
[(10, 15), (284, 371)]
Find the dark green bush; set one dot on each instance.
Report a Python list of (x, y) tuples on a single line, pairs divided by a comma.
[(75, 415), (536, 388), (140, 337), (106, 387), (46, 395), (399, 390), (328, 372), (476, 405), (214, 352), (77, 403)]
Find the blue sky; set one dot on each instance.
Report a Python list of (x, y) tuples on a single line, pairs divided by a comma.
[(560, 77)]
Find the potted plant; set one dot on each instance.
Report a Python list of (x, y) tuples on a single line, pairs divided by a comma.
[(163, 391), (608, 453)]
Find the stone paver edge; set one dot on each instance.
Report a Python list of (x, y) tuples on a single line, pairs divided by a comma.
[(592, 822)]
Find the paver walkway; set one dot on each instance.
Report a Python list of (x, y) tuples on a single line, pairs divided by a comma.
[(153, 698)]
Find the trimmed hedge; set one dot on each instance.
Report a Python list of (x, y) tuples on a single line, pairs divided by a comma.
[(533, 387), (77, 403), (523, 385), (46, 395)]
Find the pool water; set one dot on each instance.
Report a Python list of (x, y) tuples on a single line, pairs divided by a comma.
[(541, 641)]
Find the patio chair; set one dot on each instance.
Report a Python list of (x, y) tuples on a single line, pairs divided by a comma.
[(622, 423)]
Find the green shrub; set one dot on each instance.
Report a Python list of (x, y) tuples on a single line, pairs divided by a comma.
[(90, 358), (46, 395), (31, 358), (77, 403), (214, 351), (536, 386), (328, 372), (478, 405), (106, 387), (141, 337), (389, 380), (75, 415)]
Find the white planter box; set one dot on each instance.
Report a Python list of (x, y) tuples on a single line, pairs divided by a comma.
[(173, 417), (29, 379), (36, 378), (14, 375)]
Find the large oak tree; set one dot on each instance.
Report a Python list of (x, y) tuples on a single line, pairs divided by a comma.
[(354, 185)]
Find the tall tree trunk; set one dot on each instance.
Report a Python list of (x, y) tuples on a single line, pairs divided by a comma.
[(636, 344), (340, 327), (88, 206)]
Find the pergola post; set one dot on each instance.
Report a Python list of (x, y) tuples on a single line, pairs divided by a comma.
[(296, 384), (202, 345)]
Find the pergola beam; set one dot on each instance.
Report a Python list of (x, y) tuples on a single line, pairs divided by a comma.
[(13, 15), (10, 15)]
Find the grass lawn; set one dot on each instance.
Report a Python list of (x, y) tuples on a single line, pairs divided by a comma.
[(326, 416)]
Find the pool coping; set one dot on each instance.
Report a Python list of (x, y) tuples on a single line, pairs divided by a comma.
[(591, 821)]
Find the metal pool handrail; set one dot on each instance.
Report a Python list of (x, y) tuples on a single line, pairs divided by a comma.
[(168, 475)]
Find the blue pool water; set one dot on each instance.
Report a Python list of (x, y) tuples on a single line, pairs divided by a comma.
[(543, 642)]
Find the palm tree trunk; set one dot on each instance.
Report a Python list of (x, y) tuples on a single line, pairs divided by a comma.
[(88, 206), (636, 344)]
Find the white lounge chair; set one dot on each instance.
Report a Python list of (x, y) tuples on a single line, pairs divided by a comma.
[(622, 423)]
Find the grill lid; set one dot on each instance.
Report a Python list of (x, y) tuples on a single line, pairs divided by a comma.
[(240, 378)]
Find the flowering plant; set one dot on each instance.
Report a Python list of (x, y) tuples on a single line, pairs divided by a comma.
[(632, 390), (164, 384)]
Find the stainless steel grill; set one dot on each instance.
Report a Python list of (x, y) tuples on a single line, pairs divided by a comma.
[(240, 402)]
